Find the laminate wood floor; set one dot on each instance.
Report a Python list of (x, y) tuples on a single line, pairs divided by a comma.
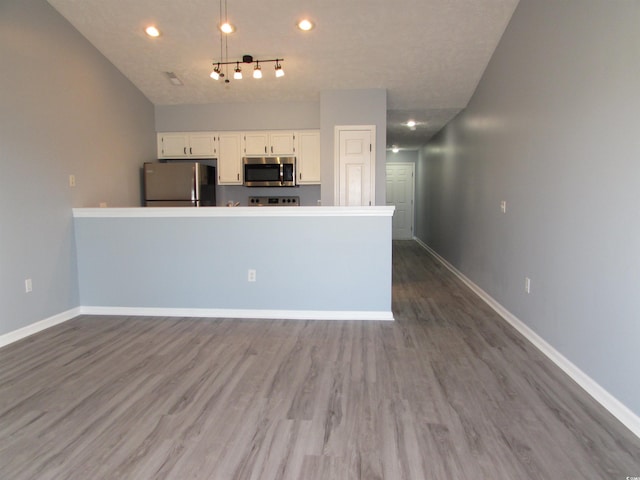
[(447, 391)]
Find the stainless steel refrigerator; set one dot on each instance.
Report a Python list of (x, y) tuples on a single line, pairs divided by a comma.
[(179, 184)]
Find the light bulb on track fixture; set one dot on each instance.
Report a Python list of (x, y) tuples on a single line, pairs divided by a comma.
[(237, 73), (257, 71), (279, 70)]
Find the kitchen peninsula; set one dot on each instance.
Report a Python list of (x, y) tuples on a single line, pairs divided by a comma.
[(240, 262)]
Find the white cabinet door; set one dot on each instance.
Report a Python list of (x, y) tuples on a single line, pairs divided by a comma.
[(229, 159), (255, 143), (355, 167), (173, 145), (308, 157), (186, 145), (202, 145), (282, 143), (269, 143)]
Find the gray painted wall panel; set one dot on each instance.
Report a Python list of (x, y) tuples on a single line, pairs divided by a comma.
[(238, 116), (352, 107), (313, 263), (65, 110), (553, 130)]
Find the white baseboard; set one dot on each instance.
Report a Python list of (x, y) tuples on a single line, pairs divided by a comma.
[(239, 313), (602, 396), (36, 327)]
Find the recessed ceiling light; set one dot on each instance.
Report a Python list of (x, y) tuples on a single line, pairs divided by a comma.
[(305, 25), (411, 123), (226, 27), (152, 31)]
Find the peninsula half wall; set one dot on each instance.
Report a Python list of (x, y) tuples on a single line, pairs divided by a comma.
[(309, 262)]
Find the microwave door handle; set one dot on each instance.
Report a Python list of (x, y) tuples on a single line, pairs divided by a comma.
[(281, 174)]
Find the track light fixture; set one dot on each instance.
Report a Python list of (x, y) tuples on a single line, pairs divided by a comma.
[(217, 73), (221, 69)]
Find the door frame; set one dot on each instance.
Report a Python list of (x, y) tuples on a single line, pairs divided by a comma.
[(413, 192), (336, 159)]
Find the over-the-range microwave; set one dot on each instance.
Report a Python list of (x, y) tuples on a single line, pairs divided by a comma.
[(269, 171)]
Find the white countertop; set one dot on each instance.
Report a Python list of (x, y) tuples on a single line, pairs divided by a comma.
[(190, 212)]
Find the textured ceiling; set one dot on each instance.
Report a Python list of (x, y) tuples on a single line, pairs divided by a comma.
[(428, 54)]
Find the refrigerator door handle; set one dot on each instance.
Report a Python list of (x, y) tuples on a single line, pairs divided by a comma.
[(195, 191)]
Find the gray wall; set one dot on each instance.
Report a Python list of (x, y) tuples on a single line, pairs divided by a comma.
[(352, 107), (553, 130), (403, 156), (238, 116), (65, 110)]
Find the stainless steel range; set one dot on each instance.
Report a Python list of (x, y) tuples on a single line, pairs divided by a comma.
[(274, 201)]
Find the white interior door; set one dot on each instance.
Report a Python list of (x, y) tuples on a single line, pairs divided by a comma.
[(355, 182), (400, 193)]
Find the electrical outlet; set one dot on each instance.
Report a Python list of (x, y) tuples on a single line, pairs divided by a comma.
[(103, 204), (527, 284), (503, 206), (72, 180), (251, 276), (28, 285)]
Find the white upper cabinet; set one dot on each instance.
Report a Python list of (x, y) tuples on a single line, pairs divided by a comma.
[(308, 157), (229, 159), (282, 143), (187, 145), (269, 143), (202, 145), (173, 145), (255, 143)]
